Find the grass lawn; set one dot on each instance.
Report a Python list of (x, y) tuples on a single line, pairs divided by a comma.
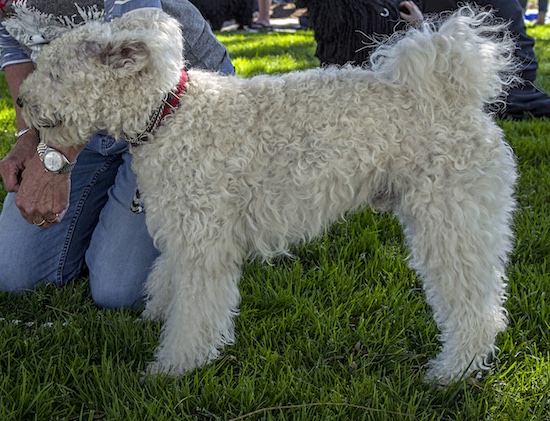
[(340, 332)]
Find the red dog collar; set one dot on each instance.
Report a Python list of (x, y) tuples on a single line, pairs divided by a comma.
[(170, 102)]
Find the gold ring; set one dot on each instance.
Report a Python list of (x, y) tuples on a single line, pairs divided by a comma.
[(41, 223), (54, 219)]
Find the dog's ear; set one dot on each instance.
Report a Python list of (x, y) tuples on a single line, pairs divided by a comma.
[(129, 55)]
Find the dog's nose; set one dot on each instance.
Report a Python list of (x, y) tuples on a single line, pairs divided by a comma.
[(19, 102)]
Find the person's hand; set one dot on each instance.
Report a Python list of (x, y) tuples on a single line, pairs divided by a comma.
[(15, 161), (412, 13), (42, 197)]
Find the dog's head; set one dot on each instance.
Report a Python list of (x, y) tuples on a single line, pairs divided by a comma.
[(103, 76)]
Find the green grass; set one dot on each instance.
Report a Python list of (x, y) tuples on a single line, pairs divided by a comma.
[(340, 332)]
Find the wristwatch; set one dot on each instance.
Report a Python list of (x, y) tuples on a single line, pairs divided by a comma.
[(53, 160)]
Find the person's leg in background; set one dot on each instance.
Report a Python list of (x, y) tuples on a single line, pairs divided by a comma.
[(543, 8), (264, 16)]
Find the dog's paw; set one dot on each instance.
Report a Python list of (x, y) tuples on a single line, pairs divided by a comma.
[(442, 375), (437, 379)]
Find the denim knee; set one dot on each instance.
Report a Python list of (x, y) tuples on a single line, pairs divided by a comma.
[(112, 292), (30, 256), (17, 277)]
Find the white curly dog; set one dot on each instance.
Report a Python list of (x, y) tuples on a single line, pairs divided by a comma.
[(247, 167)]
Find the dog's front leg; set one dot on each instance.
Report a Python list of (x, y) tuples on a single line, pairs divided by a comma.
[(203, 302)]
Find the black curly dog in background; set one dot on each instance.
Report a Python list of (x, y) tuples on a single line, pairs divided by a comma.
[(216, 12)]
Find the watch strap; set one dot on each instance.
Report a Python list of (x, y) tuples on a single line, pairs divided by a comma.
[(67, 168), (42, 148)]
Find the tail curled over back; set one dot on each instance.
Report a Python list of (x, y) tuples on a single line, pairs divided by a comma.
[(465, 59)]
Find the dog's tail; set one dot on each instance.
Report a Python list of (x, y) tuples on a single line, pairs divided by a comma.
[(466, 59)]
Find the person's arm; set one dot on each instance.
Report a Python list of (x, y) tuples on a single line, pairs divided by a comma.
[(40, 195), (15, 75), (14, 163), (17, 66), (116, 8)]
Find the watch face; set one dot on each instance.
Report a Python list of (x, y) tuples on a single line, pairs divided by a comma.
[(53, 160)]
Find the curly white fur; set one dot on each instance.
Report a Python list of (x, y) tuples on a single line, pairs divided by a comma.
[(250, 166)]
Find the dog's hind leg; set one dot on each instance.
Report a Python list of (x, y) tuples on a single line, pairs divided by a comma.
[(460, 236), (204, 298)]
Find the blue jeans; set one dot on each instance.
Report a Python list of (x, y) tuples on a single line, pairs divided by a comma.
[(99, 231)]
